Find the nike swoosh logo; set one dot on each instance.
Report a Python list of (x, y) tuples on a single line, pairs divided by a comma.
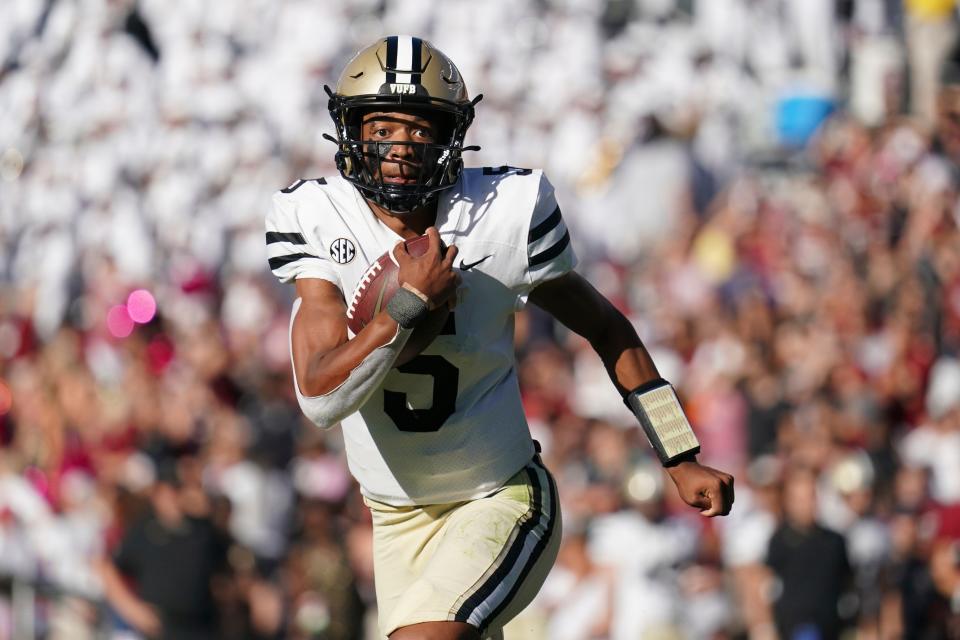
[(466, 266)]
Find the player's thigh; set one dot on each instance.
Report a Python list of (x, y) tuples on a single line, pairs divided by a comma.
[(492, 558), (404, 539)]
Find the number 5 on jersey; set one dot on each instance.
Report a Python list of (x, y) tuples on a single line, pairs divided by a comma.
[(446, 381)]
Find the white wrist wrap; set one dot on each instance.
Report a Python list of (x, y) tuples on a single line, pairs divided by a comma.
[(660, 414), (330, 408)]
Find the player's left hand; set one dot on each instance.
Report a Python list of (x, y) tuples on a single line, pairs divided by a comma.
[(702, 487)]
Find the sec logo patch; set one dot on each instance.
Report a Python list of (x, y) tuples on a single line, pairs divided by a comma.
[(342, 250)]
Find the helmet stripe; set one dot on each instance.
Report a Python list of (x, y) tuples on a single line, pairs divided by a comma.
[(404, 57), (416, 58), (391, 59)]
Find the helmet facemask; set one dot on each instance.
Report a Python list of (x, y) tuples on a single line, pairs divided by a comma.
[(407, 74), (362, 162)]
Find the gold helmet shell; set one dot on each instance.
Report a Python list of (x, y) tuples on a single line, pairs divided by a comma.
[(398, 73), (402, 66)]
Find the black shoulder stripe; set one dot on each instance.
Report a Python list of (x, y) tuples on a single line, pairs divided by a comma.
[(280, 236), (299, 183), (296, 185), (552, 252), (279, 261), (545, 227), (505, 168)]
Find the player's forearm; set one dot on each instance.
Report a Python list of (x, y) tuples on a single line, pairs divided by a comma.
[(620, 349), (633, 372), (328, 369), (585, 311), (339, 381)]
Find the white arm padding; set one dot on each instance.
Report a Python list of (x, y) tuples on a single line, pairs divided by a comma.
[(329, 409)]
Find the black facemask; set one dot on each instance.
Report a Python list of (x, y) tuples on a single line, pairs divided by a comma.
[(362, 162)]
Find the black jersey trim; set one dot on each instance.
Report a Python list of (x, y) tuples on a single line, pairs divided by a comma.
[(296, 185), (279, 261), (282, 236), (299, 183), (545, 227), (552, 252)]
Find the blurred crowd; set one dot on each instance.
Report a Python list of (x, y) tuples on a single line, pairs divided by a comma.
[(795, 274)]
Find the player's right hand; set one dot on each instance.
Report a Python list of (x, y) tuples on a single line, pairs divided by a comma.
[(431, 274), (703, 487)]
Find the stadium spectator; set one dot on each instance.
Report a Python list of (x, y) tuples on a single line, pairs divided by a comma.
[(172, 558), (810, 565), (931, 33)]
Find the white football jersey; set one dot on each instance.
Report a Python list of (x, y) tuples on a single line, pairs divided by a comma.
[(448, 425)]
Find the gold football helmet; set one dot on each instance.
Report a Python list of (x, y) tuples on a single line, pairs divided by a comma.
[(401, 73)]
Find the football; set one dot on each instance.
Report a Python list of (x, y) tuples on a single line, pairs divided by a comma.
[(374, 291)]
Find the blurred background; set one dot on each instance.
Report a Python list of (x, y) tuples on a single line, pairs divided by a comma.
[(768, 188)]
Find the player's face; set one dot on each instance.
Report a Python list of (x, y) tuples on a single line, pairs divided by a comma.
[(401, 163)]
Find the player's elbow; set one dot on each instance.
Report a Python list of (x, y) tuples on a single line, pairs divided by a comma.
[(324, 422), (322, 416), (329, 409), (315, 384)]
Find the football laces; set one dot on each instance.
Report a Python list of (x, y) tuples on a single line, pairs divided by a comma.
[(368, 276)]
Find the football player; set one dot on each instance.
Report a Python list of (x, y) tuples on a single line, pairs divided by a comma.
[(466, 519)]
